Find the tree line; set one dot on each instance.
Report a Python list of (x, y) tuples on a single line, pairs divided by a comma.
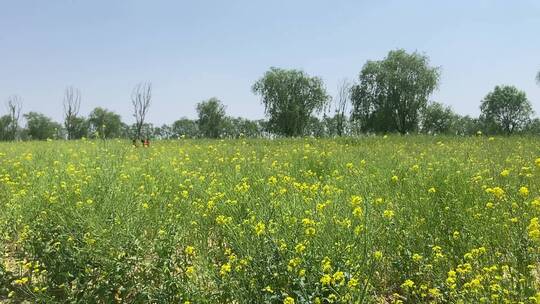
[(391, 95)]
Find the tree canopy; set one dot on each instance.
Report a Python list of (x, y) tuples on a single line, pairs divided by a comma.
[(40, 127), (79, 128), (437, 118), (104, 123), (506, 109), (290, 97), (5, 130), (391, 92), (185, 127), (211, 117)]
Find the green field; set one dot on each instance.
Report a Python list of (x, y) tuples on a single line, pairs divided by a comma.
[(398, 219)]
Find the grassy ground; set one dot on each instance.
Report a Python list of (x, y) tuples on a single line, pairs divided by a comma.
[(371, 220)]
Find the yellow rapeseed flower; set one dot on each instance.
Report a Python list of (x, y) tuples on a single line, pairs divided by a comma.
[(338, 277), (310, 231), (260, 228), (388, 214), (190, 251), (416, 257), (408, 284), (357, 212), (356, 200), (225, 269), (524, 191), (498, 192), (326, 279), (300, 248), (288, 300), (534, 229), (353, 283)]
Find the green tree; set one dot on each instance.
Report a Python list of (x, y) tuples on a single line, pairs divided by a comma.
[(533, 127), (235, 127), (315, 127), (40, 127), (185, 127), (80, 127), (506, 109), (5, 130), (466, 125), (105, 124), (337, 125), (147, 131), (163, 132), (138, 131), (290, 97), (438, 119), (211, 117), (391, 92)]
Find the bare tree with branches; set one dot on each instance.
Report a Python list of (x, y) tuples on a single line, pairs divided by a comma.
[(14, 105), (341, 104), (141, 97), (72, 104)]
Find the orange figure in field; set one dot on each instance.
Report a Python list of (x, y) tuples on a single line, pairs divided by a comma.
[(146, 143)]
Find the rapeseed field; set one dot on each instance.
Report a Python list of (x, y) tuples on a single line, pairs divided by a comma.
[(393, 219)]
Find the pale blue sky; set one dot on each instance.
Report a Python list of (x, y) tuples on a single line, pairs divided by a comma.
[(193, 50)]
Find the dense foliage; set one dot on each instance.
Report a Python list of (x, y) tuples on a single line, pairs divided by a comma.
[(290, 98), (40, 127), (391, 92), (506, 109), (104, 123), (211, 114), (436, 118)]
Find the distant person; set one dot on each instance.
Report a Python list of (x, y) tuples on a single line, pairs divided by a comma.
[(146, 143)]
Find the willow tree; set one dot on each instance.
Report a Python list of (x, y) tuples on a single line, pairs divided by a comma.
[(391, 92), (211, 115), (290, 98)]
